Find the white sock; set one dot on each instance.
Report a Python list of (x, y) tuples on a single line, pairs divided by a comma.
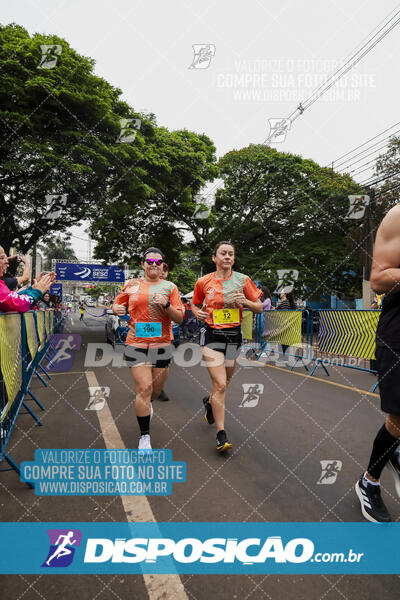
[(366, 481)]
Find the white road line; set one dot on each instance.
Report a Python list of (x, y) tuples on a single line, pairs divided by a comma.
[(137, 508)]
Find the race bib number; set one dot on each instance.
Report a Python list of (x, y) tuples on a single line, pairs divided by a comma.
[(144, 330), (222, 316)]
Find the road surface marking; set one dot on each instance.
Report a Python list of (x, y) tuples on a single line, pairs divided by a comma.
[(342, 385), (137, 508)]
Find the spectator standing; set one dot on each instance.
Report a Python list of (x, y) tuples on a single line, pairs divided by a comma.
[(11, 301), (45, 303), (14, 282), (266, 298), (286, 302)]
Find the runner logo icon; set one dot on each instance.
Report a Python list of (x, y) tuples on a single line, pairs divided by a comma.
[(330, 470), (98, 397), (251, 394), (63, 543)]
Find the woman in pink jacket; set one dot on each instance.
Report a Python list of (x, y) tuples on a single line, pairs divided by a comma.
[(14, 302)]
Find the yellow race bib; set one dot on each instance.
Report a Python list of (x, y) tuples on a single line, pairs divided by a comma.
[(222, 316)]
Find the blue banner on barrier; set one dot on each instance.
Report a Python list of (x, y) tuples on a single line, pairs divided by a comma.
[(239, 548), (56, 289), (89, 272)]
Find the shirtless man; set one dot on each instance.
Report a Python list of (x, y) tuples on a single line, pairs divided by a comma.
[(385, 278)]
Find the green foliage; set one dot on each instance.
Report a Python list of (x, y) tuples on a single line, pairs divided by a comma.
[(98, 290), (285, 212), (388, 165), (56, 248), (61, 127), (177, 164), (61, 137), (184, 277)]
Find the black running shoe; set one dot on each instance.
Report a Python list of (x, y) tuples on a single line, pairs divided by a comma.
[(163, 397), (222, 441), (208, 415), (372, 505), (394, 467)]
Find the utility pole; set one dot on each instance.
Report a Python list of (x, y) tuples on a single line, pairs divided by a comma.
[(33, 274), (369, 230)]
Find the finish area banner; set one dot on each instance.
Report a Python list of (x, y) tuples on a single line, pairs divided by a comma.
[(88, 272)]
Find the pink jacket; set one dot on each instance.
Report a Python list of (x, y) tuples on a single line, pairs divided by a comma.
[(13, 302)]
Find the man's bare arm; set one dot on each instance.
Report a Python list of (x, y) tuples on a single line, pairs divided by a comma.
[(385, 272)]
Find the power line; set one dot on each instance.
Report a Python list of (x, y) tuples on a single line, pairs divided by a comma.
[(336, 76), (376, 148), (371, 182), (363, 144), (346, 169), (380, 192), (352, 62)]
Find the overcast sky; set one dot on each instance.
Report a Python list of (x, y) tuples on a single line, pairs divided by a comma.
[(268, 57)]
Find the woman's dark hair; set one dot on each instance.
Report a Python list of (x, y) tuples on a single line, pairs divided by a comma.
[(155, 250), (221, 244), (266, 292), (292, 303)]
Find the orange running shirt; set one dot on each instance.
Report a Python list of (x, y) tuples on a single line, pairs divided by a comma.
[(137, 295), (218, 293)]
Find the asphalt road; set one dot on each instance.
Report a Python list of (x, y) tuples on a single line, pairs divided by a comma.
[(271, 474)]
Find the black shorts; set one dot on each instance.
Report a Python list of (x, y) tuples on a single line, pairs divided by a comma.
[(228, 341), (159, 358), (388, 367)]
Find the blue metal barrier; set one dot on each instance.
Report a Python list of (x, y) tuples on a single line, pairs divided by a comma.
[(31, 347)]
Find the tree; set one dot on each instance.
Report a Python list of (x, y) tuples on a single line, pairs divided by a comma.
[(177, 165), (98, 290), (388, 167), (285, 212), (184, 277), (62, 130), (56, 248)]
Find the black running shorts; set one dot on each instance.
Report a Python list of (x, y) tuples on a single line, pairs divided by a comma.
[(159, 358), (228, 341), (388, 367)]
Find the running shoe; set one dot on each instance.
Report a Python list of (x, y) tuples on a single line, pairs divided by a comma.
[(222, 441), (394, 467), (163, 396), (372, 505), (144, 443), (208, 415)]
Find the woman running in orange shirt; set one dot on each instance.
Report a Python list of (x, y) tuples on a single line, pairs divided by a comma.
[(152, 303), (219, 299)]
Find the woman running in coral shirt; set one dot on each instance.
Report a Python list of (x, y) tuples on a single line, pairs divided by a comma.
[(152, 303), (219, 299)]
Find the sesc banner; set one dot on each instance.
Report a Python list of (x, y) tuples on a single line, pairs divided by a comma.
[(89, 272)]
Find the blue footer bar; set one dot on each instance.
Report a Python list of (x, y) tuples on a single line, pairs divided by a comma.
[(199, 548)]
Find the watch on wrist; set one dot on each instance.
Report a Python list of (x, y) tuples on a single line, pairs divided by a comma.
[(167, 305)]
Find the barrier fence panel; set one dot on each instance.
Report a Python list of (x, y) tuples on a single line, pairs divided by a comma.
[(24, 340), (40, 323), (10, 359), (280, 334), (31, 337), (345, 338)]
